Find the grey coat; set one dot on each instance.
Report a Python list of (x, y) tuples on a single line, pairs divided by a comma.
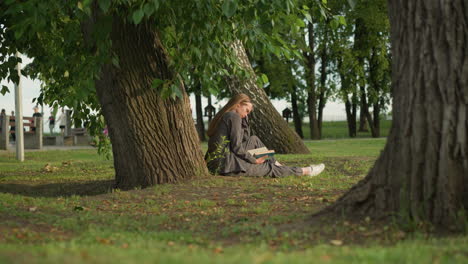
[(227, 151)]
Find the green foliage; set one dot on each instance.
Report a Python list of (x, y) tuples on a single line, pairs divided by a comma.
[(70, 42), (218, 153)]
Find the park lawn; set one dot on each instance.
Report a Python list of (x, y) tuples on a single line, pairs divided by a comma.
[(339, 129), (59, 207)]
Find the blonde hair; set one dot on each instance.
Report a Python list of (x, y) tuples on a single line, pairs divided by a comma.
[(241, 98)]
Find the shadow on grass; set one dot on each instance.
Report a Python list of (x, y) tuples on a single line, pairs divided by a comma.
[(88, 188)]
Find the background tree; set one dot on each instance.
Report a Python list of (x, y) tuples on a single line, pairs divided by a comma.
[(372, 53), (284, 82), (422, 174), (265, 121), (314, 47)]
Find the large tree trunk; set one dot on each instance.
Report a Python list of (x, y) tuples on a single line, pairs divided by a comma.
[(422, 173), (199, 113), (153, 140), (265, 121), (296, 115), (310, 80)]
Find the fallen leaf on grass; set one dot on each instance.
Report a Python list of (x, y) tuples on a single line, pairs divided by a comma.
[(66, 163), (49, 168), (218, 250), (104, 241), (336, 242), (32, 209), (321, 199)]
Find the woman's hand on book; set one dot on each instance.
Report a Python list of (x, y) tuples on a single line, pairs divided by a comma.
[(261, 160)]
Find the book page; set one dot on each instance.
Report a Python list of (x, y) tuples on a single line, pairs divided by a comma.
[(257, 150)]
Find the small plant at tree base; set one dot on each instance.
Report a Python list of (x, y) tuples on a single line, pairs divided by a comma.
[(218, 153)]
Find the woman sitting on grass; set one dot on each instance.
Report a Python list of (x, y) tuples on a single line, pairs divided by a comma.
[(230, 140)]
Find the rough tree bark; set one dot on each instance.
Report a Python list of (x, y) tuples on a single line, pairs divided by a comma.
[(423, 171), (296, 116), (265, 121), (152, 139)]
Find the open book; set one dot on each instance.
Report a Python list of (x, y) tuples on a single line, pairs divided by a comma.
[(260, 152)]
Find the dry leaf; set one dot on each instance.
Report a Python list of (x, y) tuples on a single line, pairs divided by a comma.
[(49, 168), (32, 209), (104, 241), (336, 242)]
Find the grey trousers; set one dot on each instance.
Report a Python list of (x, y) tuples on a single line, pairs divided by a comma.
[(268, 168)]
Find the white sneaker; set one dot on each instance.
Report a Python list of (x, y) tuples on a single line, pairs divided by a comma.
[(316, 169)]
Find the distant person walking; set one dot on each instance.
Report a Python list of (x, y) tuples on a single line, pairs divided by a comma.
[(51, 121), (36, 114), (2, 116), (62, 122), (13, 127)]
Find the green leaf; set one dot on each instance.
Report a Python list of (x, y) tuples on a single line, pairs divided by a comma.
[(104, 5), (149, 9), (156, 83), (156, 4), (342, 20), (308, 17), (229, 8), (352, 3), (175, 89), (334, 24), (4, 90), (300, 23), (115, 62), (18, 33), (264, 78), (138, 16)]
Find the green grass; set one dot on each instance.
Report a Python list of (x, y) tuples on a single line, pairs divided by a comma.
[(339, 130), (71, 214)]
